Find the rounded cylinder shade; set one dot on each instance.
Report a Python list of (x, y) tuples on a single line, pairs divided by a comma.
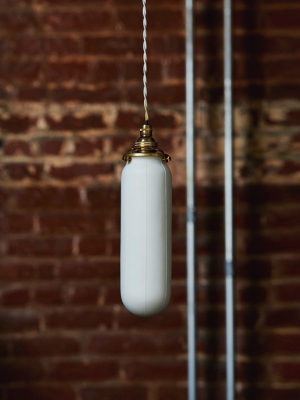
[(146, 229)]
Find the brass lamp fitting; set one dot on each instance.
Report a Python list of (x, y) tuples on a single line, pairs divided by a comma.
[(146, 146)]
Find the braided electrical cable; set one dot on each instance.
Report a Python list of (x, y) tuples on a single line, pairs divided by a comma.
[(145, 60)]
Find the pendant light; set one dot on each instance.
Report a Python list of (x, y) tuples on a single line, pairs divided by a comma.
[(146, 218)]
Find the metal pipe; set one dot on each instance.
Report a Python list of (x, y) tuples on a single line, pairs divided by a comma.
[(190, 167), (229, 210)]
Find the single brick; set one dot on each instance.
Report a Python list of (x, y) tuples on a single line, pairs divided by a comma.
[(48, 295), (87, 371), (114, 393), (78, 319), (82, 20), (50, 146), (85, 147), (166, 343), (17, 124), (19, 171), (84, 294), (78, 270), (43, 392), (16, 271), (170, 318), (21, 371), (15, 297), (156, 370), (74, 123), (44, 197), (16, 223), (46, 346), (67, 71), (16, 148), (20, 71), (98, 245), (12, 321), (20, 20), (108, 93), (39, 247)]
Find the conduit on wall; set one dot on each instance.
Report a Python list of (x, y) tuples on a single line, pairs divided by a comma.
[(228, 214), (190, 169), (229, 210)]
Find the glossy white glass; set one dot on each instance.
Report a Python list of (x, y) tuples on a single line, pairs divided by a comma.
[(146, 229)]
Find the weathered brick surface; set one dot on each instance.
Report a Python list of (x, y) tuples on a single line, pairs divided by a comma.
[(70, 106)]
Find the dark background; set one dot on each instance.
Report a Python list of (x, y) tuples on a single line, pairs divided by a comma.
[(71, 104)]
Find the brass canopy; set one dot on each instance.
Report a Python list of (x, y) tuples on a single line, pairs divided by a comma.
[(146, 146)]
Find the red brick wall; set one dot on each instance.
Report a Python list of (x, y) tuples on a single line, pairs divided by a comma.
[(71, 103)]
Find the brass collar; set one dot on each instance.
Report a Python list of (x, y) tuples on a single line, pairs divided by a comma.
[(146, 146)]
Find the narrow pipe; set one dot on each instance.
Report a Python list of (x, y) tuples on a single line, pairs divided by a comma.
[(229, 232), (190, 167)]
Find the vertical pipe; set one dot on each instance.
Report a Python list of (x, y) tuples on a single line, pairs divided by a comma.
[(229, 233), (190, 166)]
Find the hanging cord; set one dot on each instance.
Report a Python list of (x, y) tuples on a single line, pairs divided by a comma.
[(145, 60)]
